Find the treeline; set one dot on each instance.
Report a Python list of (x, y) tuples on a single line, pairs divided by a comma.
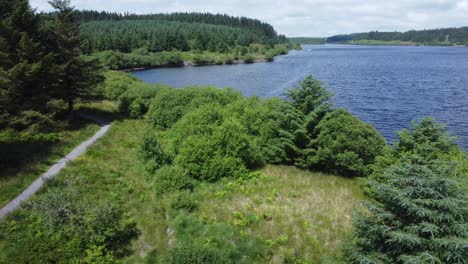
[(249, 24), (455, 36), (42, 72), (168, 32), (308, 41)]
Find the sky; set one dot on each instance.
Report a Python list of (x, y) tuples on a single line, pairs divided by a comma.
[(308, 18)]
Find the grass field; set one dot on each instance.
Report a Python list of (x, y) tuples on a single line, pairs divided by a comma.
[(38, 157)]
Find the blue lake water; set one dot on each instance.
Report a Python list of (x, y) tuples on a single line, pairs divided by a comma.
[(387, 86)]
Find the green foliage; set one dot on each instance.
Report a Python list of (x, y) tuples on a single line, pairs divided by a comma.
[(442, 36), (170, 179), (210, 145), (183, 200), (428, 143), (345, 144), (152, 153), (426, 138), (60, 226), (308, 41), (171, 104), (418, 215), (116, 84), (176, 31), (115, 60), (192, 253)]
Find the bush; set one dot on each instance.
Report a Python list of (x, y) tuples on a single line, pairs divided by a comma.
[(152, 153), (171, 104), (345, 145), (249, 58), (210, 144), (116, 84), (191, 253), (183, 201), (62, 226), (136, 100), (169, 179)]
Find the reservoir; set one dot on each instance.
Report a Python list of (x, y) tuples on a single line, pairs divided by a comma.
[(386, 86)]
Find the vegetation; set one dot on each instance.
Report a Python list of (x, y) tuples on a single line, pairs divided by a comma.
[(308, 41), (439, 37), (184, 175), (419, 205)]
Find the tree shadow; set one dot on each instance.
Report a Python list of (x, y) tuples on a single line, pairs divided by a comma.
[(19, 153)]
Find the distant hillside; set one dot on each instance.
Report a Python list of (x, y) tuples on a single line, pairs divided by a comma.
[(180, 31), (443, 36), (308, 41)]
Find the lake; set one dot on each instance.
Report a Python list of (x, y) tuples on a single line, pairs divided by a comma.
[(386, 86)]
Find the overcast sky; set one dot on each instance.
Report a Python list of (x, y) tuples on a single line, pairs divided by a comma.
[(306, 17)]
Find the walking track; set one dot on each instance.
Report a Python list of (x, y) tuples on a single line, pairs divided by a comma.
[(55, 169)]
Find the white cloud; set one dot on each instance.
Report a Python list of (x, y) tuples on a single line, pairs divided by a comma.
[(307, 17)]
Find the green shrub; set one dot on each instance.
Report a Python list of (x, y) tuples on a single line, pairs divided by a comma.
[(170, 105), (210, 144), (116, 83), (170, 179), (152, 153), (345, 145), (60, 225), (183, 201), (249, 58), (192, 253), (136, 100)]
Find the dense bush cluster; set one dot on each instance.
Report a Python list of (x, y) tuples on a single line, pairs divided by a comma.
[(212, 133)]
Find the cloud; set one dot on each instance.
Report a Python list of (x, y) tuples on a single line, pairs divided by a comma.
[(306, 17)]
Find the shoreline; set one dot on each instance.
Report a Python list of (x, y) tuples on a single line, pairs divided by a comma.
[(191, 64), (392, 44)]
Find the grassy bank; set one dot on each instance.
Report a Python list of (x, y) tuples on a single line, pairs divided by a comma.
[(34, 157)]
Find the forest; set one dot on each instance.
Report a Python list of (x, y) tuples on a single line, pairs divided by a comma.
[(203, 174), (442, 36)]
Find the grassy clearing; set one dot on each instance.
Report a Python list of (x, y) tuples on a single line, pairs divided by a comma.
[(295, 212), (40, 157)]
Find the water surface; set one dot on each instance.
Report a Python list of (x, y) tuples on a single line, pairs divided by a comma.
[(387, 86)]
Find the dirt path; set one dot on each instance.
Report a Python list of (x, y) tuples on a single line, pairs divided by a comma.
[(56, 168)]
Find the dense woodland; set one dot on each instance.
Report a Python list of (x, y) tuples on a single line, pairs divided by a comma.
[(197, 146), (451, 36), (177, 31)]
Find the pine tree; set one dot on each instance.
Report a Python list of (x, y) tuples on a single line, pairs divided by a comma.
[(418, 215), (23, 64), (76, 76)]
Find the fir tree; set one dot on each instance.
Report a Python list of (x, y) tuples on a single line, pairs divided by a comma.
[(418, 215), (76, 76)]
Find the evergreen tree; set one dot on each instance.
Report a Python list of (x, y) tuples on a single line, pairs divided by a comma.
[(23, 66), (418, 215), (76, 76)]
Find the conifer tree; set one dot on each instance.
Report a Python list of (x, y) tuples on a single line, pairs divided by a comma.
[(418, 215), (23, 65), (76, 76)]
